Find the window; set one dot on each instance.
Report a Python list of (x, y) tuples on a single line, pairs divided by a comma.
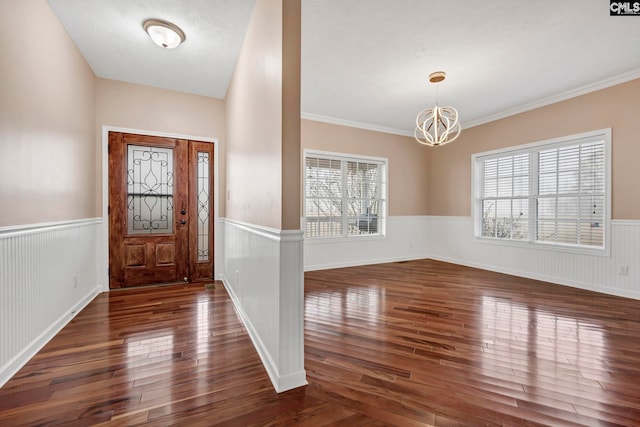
[(345, 195), (552, 192)]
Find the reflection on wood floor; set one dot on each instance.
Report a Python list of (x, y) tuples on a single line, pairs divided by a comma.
[(406, 344)]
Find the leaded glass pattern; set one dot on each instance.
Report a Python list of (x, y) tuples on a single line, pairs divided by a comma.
[(149, 190), (203, 206)]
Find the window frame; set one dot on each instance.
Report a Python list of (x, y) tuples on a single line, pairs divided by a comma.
[(346, 157), (537, 147)]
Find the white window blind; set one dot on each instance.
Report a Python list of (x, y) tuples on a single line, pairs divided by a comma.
[(571, 196), (505, 202), (344, 195), (551, 193)]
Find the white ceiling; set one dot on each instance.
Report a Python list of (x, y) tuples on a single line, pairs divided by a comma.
[(365, 62), (109, 34)]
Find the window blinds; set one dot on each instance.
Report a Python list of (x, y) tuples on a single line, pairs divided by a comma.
[(553, 194), (344, 196)]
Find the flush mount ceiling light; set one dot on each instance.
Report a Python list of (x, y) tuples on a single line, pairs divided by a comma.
[(163, 33), (438, 125)]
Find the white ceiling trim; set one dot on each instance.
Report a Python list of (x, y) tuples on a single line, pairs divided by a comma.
[(352, 124), (582, 90)]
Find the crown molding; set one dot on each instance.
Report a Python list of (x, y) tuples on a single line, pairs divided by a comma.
[(352, 124), (582, 90)]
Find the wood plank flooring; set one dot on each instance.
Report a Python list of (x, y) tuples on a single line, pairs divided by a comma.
[(408, 344)]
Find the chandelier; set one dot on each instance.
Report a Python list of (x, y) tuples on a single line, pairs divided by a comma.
[(438, 125)]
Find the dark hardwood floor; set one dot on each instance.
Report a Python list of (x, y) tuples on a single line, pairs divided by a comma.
[(407, 344)]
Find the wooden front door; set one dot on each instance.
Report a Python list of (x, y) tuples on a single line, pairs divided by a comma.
[(160, 210)]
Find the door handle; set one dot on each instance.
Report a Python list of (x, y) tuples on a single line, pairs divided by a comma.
[(183, 221)]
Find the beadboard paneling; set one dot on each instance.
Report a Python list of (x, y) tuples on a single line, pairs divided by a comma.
[(406, 238), (451, 239), (47, 275), (263, 274)]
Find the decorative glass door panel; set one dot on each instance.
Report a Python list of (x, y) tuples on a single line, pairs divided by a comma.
[(149, 190), (201, 200), (204, 202)]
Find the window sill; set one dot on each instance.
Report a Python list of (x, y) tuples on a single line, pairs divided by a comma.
[(603, 252)]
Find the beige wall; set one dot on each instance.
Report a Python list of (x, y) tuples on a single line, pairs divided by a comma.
[(617, 107), (259, 106), (408, 174), (47, 118), (291, 69), (146, 108)]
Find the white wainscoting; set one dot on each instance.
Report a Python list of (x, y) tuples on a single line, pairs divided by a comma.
[(263, 274), (405, 239), (48, 273), (451, 239)]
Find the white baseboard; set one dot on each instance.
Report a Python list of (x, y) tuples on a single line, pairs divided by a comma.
[(48, 274), (260, 347), (263, 275), (280, 383), (405, 239), (451, 239), (21, 359), (541, 277)]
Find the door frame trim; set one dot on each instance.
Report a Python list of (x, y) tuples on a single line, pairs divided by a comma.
[(103, 238)]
